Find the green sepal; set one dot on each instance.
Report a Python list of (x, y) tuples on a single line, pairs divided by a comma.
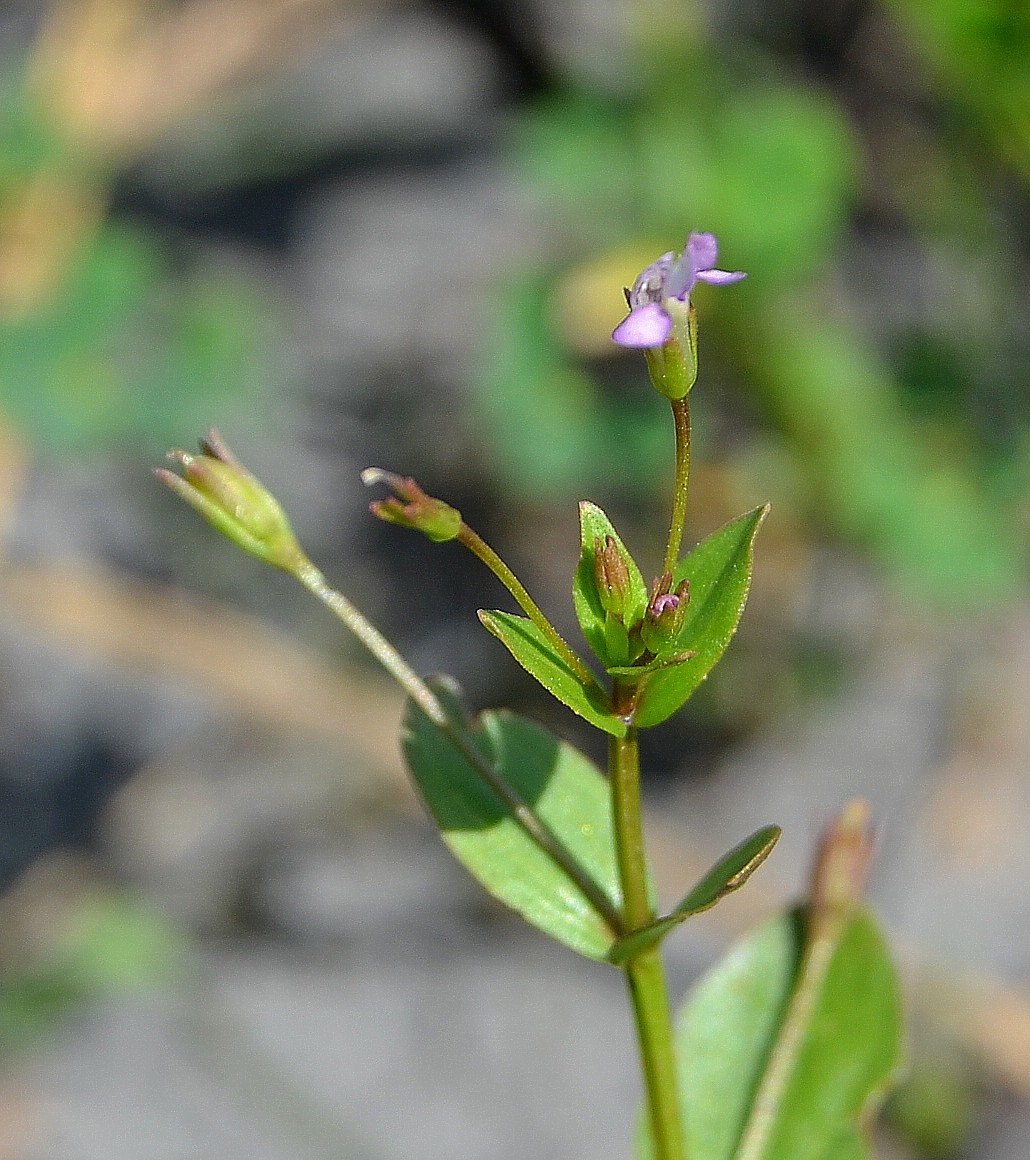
[(673, 365), (528, 645), (590, 611), (556, 782), (838, 1059), (727, 875), (616, 641), (719, 571)]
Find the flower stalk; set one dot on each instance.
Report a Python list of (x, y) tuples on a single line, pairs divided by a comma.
[(681, 419), (483, 552), (410, 507)]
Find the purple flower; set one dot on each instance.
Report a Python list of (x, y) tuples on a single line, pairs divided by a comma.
[(670, 278)]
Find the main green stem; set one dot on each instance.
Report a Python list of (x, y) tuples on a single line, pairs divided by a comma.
[(645, 973), (681, 418)]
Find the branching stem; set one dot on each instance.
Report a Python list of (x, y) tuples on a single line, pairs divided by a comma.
[(424, 697), (482, 550)]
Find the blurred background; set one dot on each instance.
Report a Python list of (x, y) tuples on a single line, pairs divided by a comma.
[(354, 232)]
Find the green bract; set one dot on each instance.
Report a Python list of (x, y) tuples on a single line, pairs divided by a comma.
[(728, 874), (719, 571), (600, 628), (528, 645)]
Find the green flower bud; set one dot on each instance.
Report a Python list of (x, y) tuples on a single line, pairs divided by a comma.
[(236, 504), (665, 615), (611, 574), (410, 507)]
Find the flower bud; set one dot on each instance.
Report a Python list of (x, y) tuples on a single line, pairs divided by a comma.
[(611, 574), (236, 504), (665, 615), (410, 507)]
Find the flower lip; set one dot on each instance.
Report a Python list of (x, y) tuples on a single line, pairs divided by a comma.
[(644, 326), (669, 278)]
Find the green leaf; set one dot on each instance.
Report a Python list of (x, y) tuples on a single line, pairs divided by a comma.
[(727, 875), (595, 525), (719, 571), (562, 788), (835, 1062), (790, 1043), (528, 645)]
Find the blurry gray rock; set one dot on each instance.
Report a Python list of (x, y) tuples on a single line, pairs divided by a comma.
[(963, 901), (399, 79), (500, 1053), (198, 830)]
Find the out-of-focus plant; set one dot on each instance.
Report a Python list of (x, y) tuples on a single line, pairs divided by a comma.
[(103, 331), (68, 940), (787, 1047), (900, 422)]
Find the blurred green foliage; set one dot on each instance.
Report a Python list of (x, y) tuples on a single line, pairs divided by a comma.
[(127, 350), (907, 429), (125, 339), (934, 1108), (113, 943)]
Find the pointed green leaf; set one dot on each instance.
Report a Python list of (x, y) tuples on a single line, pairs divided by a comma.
[(528, 645), (728, 874), (595, 525), (561, 786), (766, 1077), (719, 571)]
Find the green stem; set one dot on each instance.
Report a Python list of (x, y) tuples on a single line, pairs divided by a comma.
[(649, 995), (681, 417), (645, 974), (482, 550), (624, 769), (375, 642), (430, 704)]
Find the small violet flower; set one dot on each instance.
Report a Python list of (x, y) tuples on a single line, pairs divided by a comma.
[(669, 279)]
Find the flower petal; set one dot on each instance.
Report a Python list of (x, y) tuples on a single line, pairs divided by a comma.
[(681, 278), (650, 286), (703, 251), (720, 277), (645, 326)]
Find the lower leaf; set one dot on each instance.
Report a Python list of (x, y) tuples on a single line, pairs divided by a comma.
[(788, 1046), (559, 785)]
